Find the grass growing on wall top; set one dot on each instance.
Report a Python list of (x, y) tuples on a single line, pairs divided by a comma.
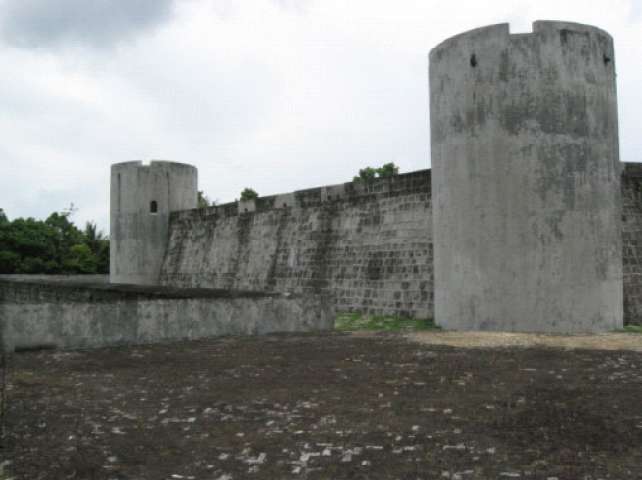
[(392, 323)]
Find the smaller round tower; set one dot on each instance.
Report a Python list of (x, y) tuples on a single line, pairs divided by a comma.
[(141, 199)]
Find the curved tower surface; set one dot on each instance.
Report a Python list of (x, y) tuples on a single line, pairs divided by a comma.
[(141, 199), (526, 180)]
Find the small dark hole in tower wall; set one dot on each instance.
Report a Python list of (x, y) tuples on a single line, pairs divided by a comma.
[(564, 35), (153, 207), (606, 59), (473, 60)]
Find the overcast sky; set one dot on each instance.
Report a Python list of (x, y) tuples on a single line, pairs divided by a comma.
[(276, 95)]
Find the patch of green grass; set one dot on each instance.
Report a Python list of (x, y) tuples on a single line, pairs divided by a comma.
[(4, 475), (632, 329), (390, 323)]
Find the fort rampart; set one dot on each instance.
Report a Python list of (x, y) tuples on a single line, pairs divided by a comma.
[(368, 244), (527, 222)]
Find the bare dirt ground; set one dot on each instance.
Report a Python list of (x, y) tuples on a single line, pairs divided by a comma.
[(328, 406), (604, 341)]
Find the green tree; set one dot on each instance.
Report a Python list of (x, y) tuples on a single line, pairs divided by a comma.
[(102, 257), (99, 246), (388, 170), (248, 194), (81, 259), (29, 239), (92, 235), (202, 201), (9, 261), (32, 265), (55, 245), (366, 175), (65, 235)]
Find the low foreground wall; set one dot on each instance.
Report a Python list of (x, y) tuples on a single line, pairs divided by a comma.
[(42, 314)]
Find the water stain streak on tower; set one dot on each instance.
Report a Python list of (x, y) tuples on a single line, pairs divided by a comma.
[(526, 180)]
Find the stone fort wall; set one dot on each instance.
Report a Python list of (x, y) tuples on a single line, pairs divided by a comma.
[(369, 245), (632, 242)]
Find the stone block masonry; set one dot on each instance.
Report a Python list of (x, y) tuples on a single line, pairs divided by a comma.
[(632, 242), (367, 244)]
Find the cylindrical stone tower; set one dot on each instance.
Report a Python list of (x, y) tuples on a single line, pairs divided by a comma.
[(526, 180), (142, 197)]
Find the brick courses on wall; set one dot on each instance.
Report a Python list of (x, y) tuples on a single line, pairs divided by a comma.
[(632, 242), (369, 245)]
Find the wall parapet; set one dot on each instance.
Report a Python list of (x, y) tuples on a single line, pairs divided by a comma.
[(401, 184)]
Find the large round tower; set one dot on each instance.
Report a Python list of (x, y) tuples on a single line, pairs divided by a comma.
[(526, 180), (142, 197)]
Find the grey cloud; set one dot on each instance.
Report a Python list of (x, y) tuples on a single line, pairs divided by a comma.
[(97, 23), (636, 10), (297, 6)]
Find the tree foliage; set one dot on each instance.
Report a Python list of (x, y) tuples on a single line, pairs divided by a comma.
[(388, 170), (368, 174), (248, 194), (54, 245), (202, 201)]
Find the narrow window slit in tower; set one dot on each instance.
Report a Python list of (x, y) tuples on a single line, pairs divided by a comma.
[(153, 207), (473, 60), (607, 59)]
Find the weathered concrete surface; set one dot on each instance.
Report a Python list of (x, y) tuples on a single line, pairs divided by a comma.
[(139, 234), (74, 278), (36, 314), (526, 180), (369, 245)]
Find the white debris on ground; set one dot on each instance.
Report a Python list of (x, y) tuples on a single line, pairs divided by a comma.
[(311, 432)]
